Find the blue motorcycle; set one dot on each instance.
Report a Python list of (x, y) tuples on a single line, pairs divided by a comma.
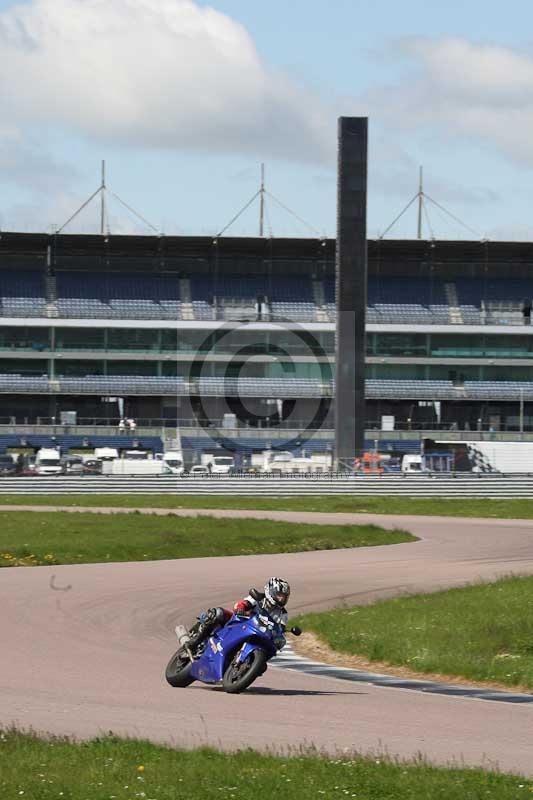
[(235, 655)]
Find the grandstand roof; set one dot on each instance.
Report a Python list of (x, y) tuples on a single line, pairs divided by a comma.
[(406, 256)]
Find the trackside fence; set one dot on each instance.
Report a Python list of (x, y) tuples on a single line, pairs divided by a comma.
[(479, 485)]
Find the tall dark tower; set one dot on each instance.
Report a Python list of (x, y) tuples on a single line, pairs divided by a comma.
[(351, 273)]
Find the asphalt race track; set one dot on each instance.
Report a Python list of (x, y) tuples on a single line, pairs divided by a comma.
[(84, 653)]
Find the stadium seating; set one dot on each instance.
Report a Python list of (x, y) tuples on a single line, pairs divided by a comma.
[(391, 299), (67, 441), (202, 310), (249, 444), (264, 387), (493, 301), (414, 301), (499, 390), (412, 389), (119, 296), (153, 296), (397, 290), (124, 384), (446, 390), (236, 297), (17, 384), (22, 293), (472, 291), (267, 387)]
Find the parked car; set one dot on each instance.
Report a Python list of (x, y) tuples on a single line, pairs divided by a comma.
[(28, 466), (8, 467), (72, 465), (198, 471), (92, 466)]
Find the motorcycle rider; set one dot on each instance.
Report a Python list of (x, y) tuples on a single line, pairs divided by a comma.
[(273, 600)]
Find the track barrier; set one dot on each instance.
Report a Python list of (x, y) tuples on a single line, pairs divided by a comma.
[(468, 485)]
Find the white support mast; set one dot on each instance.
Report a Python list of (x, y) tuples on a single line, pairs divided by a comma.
[(262, 202), (423, 201), (104, 226), (420, 203), (102, 201)]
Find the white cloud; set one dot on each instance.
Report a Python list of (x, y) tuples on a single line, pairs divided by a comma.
[(454, 87), (156, 73), (27, 164)]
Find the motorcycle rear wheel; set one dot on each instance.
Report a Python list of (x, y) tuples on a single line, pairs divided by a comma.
[(178, 671), (239, 675)]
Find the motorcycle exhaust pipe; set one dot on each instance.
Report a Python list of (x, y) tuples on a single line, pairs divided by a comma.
[(183, 637)]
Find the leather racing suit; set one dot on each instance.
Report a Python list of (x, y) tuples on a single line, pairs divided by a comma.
[(217, 617)]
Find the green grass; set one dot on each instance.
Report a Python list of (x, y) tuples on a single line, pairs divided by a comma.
[(482, 632), (436, 506), (41, 769), (33, 539)]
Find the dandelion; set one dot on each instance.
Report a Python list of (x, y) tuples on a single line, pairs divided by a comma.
[(140, 768)]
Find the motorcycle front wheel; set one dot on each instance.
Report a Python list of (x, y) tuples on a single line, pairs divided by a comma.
[(178, 671), (240, 674)]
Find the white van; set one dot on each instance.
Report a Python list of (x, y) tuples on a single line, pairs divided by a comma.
[(48, 461), (105, 453), (173, 461), (217, 465), (412, 464)]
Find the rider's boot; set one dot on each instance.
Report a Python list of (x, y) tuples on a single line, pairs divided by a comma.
[(197, 634), (211, 619)]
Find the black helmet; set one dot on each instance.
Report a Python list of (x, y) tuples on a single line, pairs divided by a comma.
[(277, 592)]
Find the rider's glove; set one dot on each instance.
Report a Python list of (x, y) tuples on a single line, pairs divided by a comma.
[(242, 608)]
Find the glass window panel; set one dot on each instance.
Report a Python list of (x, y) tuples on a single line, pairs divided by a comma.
[(24, 366), (77, 368), (24, 338), (134, 339), (79, 338), (131, 367), (400, 344), (168, 340)]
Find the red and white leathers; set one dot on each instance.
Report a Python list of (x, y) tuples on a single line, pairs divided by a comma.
[(248, 605), (217, 617)]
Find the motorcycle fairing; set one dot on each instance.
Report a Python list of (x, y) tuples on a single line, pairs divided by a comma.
[(247, 648), (247, 634)]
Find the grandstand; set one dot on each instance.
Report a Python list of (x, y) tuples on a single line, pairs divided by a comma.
[(247, 327)]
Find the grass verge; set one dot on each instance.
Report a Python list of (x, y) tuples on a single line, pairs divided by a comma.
[(60, 537), (434, 506), (113, 768), (482, 632)]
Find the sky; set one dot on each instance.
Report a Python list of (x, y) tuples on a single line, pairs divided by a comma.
[(184, 100)]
